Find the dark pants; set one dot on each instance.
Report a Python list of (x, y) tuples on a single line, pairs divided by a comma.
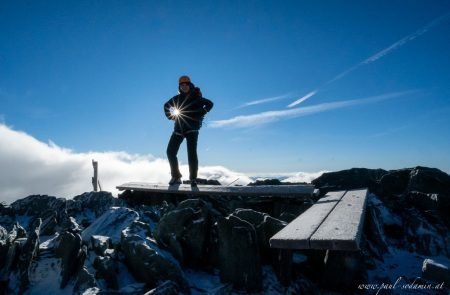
[(172, 150)]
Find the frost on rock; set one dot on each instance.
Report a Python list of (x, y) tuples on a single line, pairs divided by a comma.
[(110, 224)]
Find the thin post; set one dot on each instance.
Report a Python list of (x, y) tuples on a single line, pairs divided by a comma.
[(95, 178)]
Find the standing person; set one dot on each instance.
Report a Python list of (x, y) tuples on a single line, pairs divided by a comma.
[(187, 109)]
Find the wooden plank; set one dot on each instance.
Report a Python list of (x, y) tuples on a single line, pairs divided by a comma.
[(261, 190), (342, 229), (296, 234)]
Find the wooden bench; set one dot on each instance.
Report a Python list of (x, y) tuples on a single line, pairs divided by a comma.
[(334, 222), (296, 191)]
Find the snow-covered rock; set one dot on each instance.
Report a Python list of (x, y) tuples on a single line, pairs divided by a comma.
[(436, 272), (111, 224), (38, 204), (97, 244), (149, 263)]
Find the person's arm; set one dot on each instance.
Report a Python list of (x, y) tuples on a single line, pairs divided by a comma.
[(167, 107), (207, 104)]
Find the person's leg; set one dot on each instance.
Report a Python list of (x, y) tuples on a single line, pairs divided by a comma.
[(172, 151), (192, 138)]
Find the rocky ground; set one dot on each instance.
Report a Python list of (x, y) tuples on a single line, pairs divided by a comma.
[(98, 244)]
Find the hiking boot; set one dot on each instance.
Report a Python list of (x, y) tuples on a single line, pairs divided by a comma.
[(175, 181), (193, 183)]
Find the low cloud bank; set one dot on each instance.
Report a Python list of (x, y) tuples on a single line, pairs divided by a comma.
[(29, 166)]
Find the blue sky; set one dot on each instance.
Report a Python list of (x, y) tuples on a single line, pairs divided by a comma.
[(93, 76)]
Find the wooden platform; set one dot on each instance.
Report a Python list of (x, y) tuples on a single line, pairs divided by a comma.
[(261, 190), (334, 222)]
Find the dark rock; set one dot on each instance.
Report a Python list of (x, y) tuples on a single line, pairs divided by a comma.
[(287, 217), (280, 259), (68, 223), (36, 205), (343, 270), (165, 288), (49, 222), (100, 244), (152, 215), (444, 208), (267, 182), (349, 179), (3, 233), (204, 181), (29, 251), (253, 217), (429, 180), (186, 232), (148, 263), (289, 209), (7, 219), (267, 226), (97, 202), (256, 219), (3, 246), (10, 267), (421, 236), (423, 201), (11, 247), (171, 228), (394, 182), (423, 179), (3, 253), (239, 257), (422, 187), (84, 281), (194, 242), (373, 230), (18, 232), (107, 269), (436, 272), (68, 249), (140, 228)]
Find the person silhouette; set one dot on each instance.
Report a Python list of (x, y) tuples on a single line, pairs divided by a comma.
[(188, 110)]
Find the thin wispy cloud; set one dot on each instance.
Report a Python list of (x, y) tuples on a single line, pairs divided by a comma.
[(266, 100), (377, 55), (273, 116)]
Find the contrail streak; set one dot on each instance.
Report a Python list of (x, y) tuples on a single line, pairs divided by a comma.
[(302, 99), (377, 55), (272, 116), (266, 100)]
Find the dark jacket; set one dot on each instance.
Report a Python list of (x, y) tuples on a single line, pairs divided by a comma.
[(193, 108)]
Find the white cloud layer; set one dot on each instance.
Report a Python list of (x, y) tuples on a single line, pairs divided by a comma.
[(272, 116), (29, 166)]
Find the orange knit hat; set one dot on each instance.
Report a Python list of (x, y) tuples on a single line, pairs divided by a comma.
[(184, 79)]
